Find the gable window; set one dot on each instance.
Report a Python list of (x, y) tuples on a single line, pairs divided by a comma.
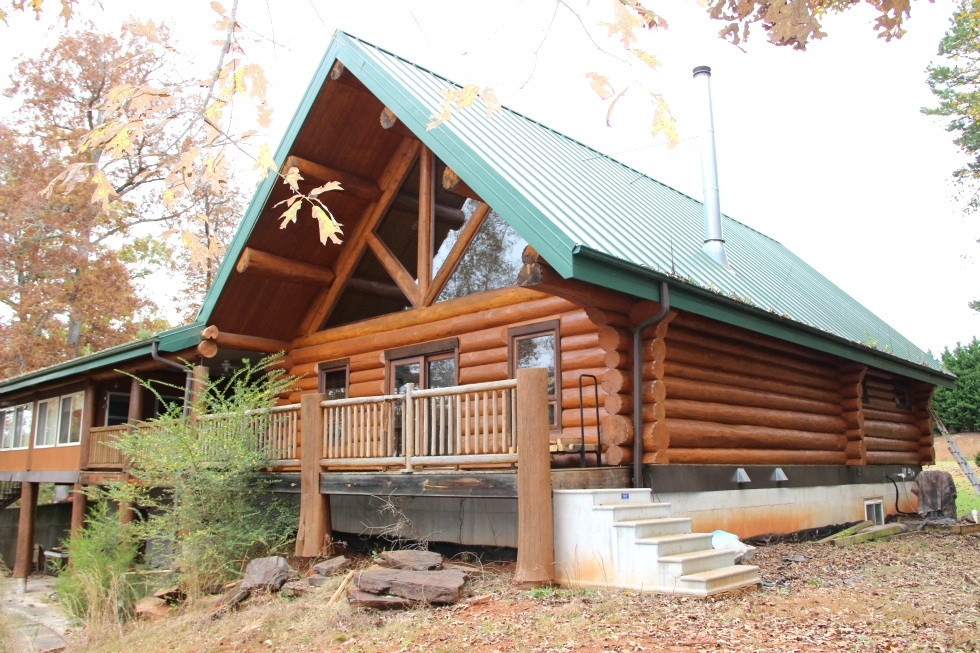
[(536, 345), (16, 422), (334, 378), (59, 420)]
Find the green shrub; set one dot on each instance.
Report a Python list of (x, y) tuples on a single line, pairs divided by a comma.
[(93, 588)]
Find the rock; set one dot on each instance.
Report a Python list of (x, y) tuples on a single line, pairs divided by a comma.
[(171, 595), (414, 560), (150, 608), (316, 580), (294, 588), (228, 601), (266, 574), (427, 586), (331, 566), (361, 599)]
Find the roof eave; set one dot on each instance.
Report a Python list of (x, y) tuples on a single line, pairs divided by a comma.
[(604, 270)]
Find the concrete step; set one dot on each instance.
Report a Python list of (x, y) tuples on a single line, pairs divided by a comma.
[(724, 579), (695, 562), (636, 510), (643, 528), (618, 497), (671, 544)]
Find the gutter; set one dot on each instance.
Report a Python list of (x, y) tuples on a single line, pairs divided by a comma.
[(638, 382)]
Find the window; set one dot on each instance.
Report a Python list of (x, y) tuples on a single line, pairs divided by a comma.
[(536, 345), (59, 420), (333, 379), (166, 403), (432, 365), (46, 427), (903, 398), (16, 422), (865, 397), (117, 408)]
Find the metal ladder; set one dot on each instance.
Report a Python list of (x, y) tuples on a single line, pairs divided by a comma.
[(957, 454)]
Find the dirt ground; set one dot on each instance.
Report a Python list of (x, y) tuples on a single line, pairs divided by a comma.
[(968, 443), (919, 592)]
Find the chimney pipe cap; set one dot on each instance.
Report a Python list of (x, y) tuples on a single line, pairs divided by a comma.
[(702, 69)]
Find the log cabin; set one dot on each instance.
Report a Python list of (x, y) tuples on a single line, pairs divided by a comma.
[(752, 395)]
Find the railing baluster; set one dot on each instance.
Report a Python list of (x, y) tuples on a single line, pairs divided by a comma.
[(486, 426)]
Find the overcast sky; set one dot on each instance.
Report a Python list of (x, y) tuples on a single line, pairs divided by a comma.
[(824, 150)]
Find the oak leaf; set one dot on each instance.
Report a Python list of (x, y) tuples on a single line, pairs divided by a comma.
[(265, 115), (600, 84), (329, 228), (647, 58), (624, 22), (329, 186), (264, 163), (289, 215), (293, 178), (663, 121), (104, 192), (490, 99)]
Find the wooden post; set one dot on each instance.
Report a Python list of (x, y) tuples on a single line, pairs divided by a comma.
[(535, 525), (25, 536), (127, 511), (408, 433), (427, 187), (88, 418), (313, 536), (199, 386), (79, 501)]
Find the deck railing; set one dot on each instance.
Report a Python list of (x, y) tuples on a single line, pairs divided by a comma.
[(459, 425), (101, 454), (276, 429)]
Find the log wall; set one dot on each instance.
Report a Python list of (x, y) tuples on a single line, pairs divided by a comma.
[(738, 397), (895, 434)]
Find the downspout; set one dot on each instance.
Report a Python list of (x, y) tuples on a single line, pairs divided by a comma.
[(638, 382), (187, 369)]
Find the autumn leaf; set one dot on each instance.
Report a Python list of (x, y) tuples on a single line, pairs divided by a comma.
[(264, 163), (490, 99), (466, 96), (265, 115), (199, 253), (445, 110), (218, 8), (624, 22), (293, 178), (612, 105), (600, 84), (289, 215), (104, 192), (329, 186), (663, 121), (329, 228), (647, 58)]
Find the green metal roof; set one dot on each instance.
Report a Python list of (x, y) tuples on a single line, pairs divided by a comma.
[(590, 217)]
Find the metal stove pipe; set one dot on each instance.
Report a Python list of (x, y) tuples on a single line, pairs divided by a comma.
[(714, 245)]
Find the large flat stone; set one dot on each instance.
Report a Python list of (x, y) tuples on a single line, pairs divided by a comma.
[(438, 587), (266, 574), (361, 599), (410, 559), (331, 566)]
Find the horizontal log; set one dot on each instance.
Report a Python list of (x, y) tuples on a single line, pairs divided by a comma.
[(652, 370), (656, 458), (603, 318), (854, 421), (207, 348), (511, 304), (373, 374), (892, 458), (401, 334), (305, 384), (886, 416), (616, 381), (577, 322), (575, 434), (366, 389), (856, 450), (484, 357), (484, 373), (569, 377), (615, 339), (656, 437), (570, 396), (574, 417), (249, 343), (750, 416), (540, 276), (616, 429), (851, 404), (588, 340), (654, 391), (755, 457), (890, 430), (883, 444), (617, 403), (360, 187), (850, 377), (483, 339), (714, 328), (582, 359), (739, 380), (654, 412), (618, 455), (714, 343), (618, 360), (254, 261), (754, 352), (713, 360), (369, 360), (653, 349), (854, 434), (927, 456), (643, 311), (375, 288), (679, 388), (690, 434)]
